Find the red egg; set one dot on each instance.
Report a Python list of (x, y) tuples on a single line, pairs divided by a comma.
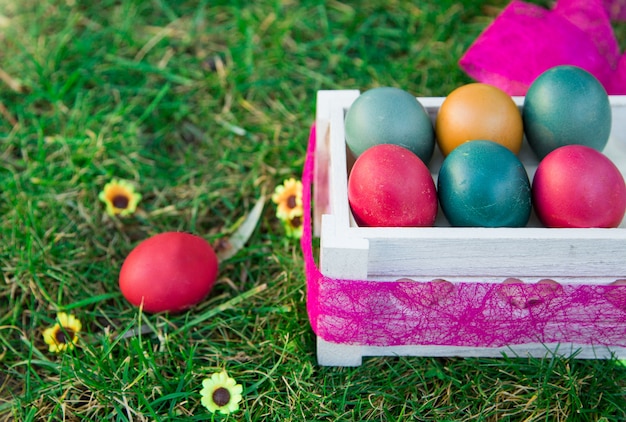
[(577, 186), (390, 186), (169, 272)]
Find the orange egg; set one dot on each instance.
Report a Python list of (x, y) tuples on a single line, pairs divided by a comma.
[(478, 111)]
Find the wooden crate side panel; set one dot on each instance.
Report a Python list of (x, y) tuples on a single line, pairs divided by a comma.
[(342, 257), (493, 257), (333, 354), (329, 103)]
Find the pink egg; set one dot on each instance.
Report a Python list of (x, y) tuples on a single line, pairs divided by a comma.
[(577, 186), (391, 186)]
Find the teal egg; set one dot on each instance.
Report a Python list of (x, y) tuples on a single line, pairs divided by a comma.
[(388, 115), (484, 184), (566, 105)]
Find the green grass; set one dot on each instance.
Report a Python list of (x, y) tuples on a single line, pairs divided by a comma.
[(205, 106)]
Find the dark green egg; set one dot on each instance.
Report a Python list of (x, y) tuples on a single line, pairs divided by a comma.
[(566, 105), (388, 115), (484, 184)]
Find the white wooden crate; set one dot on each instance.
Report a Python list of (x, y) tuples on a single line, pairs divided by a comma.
[(482, 255)]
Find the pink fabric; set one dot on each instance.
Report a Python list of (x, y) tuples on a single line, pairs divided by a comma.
[(616, 9), (527, 39), (455, 314)]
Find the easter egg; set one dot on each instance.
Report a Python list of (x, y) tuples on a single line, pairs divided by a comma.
[(483, 184), (389, 186), (168, 272), (566, 105), (478, 111), (577, 186), (388, 115)]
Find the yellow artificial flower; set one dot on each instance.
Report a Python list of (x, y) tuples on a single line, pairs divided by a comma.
[(288, 199), (64, 334), (120, 198), (294, 227), (220, 392)]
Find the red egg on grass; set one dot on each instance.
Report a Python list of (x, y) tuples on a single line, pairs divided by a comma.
[(577, 186), (169, 272), (390, 186)]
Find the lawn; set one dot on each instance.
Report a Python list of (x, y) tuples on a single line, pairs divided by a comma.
[(205, 106)]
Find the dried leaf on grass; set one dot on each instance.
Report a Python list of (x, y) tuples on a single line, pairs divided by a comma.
[(228, 247)]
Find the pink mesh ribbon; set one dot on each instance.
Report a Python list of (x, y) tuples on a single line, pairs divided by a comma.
[(527, 39), (392, 313)]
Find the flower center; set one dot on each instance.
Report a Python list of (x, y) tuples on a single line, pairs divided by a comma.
[(296, 222), (221, 396), (120, 201), (64, 336), (291, 201)]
